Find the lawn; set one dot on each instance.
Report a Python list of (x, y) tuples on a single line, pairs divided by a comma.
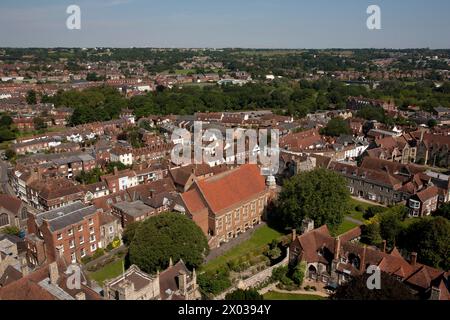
[(358, 215), (109, 271), (344, 227), (259, 239), (272, 295)]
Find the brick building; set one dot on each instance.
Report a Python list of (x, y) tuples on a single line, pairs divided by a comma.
[(71, 232), (228, 204)]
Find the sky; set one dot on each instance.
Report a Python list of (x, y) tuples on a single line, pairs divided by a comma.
[(226, 23)]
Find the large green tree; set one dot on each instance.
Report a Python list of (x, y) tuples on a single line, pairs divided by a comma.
[(357, 289), (391, 224), (321, 195), (336, 127), (430, 238), (444, 211), (169, 235)]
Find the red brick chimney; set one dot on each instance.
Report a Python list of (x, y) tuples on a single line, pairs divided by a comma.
[(362, 265), (294, 234), (337, 248), (413, 258)]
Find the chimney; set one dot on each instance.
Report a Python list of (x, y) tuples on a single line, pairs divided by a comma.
[(80, 296), (362, 265), (170, 262), (337, 247), (182, 282), (294, 234), (116, 171), (413, 258), (24, 267), (384, 246), (435, 293), (54, 273)]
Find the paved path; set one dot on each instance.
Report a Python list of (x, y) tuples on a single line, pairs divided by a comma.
[(353, 220), (369, 202), (309, 293)]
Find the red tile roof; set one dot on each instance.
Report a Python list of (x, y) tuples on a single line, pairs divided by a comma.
[(230, 188)]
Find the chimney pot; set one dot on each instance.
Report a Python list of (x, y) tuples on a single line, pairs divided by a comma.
[(337, 247), (54, 273), (294, 234), (413, 258), (384, 246), (80, 296)]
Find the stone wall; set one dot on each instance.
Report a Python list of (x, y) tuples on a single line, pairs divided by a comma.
[(256, 279)]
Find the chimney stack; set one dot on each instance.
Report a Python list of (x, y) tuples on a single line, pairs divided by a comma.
[(294, 234), (80, 296), (54, 273), (362, 265), (116, 171), (337, 248), (24, 267), (413, 258), (384, 246), (182, 282)]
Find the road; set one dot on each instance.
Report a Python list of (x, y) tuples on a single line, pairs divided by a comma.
[(6, 187)]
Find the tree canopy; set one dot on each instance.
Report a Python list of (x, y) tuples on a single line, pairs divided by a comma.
[(336, 127), (356, 289), (164, 237), (242, 295), (321, 195), (430, 238)]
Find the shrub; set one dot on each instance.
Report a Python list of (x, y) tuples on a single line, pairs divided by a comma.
[(299, 273), (359, 208), (98, 253)]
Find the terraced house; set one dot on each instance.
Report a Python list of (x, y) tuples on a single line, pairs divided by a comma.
[(391, 183)]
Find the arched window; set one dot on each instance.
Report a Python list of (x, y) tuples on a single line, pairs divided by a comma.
[(4, 220), (24, 214)]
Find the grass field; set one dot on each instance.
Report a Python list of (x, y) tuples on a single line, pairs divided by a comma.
[(344, 227), (272, 295), (260, 238), (358, 215), (109, 271)]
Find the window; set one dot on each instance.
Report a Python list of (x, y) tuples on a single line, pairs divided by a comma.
[(59, 236), (70, 232), (228, 219), (4, 220), (91, 230), (246, 212), (81, 240), (111, 229), (80, 228), (73, 257), (83, 252), (92, 238), (91, 221), (71, 244), (237, 215), (93, 247), (219, 224)]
